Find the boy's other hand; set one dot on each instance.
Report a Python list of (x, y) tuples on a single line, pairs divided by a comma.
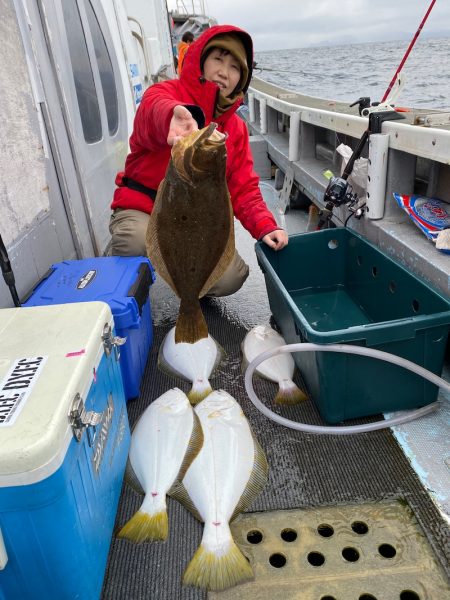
[(181, 124), (276, 239)]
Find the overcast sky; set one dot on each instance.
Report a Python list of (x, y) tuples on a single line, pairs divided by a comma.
[(280, 24)]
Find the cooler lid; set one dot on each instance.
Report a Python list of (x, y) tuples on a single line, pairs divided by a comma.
[(121, 281), (47, 355)]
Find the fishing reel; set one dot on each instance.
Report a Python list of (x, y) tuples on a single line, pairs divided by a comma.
[(339, 192)]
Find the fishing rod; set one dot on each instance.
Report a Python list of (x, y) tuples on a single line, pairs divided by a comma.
[(410, 47), (339, 191)]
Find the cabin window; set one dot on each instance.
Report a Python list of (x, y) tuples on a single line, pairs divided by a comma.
[(106, 71), (82, 73)]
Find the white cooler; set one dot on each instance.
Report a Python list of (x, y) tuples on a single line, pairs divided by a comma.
[(64, 439)]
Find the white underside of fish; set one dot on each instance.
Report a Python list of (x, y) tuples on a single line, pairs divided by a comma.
[(159, 444), (194, 362), (228, 472), (279, 368)]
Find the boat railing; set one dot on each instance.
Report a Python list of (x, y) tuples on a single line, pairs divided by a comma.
[(303, 134)]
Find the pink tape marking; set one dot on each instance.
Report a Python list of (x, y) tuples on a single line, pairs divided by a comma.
[(77, 353)]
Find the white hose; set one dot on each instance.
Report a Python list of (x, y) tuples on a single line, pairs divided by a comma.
[(346, 349)]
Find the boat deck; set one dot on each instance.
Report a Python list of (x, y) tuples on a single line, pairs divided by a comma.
[(306, 471)]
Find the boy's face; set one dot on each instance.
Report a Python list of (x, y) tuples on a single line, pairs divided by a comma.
[(222, 68)]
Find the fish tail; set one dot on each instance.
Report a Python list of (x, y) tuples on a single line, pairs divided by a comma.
[(191, 325), (211, 571), (289, 393), (143, 527), (199, 391)]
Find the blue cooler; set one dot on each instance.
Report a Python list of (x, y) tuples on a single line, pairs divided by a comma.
[(121, 281), (64, 440)]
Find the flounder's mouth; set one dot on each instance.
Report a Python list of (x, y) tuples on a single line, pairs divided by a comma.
[(183, 150), (215, 139)]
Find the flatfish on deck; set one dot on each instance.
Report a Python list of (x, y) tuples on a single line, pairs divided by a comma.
[(194, 362), (222, 481), (190, 236), (279, 368), (164, 441)]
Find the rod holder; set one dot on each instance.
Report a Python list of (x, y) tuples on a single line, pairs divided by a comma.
[(251, 106), (376, 175), (263, 115), (294, 136)]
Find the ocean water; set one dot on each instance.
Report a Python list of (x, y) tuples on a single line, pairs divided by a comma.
[(349, 71)]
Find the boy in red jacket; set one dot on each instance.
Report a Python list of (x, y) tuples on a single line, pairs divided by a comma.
[(215, 76)]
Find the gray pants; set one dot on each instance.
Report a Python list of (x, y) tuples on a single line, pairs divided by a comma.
[(128, 230)]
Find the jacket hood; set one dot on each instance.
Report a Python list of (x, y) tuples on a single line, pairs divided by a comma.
[(191, 67)]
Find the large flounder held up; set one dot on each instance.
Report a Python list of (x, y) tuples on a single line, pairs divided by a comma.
[(190, 236)]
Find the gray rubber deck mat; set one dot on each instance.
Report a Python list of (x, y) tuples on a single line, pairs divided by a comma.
[(305, 470)]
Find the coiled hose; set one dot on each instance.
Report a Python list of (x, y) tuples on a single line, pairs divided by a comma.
[(345, 349)]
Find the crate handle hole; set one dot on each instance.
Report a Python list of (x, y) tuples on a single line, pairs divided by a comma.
[(333, 244), (439, 339), (327, 598), (392, 287), (367, 597), (415, 305), (375, 271)]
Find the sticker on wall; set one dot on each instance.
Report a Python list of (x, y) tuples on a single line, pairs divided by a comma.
[(136, 83)]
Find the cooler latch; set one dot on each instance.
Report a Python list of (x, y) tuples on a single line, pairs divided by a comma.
[(111, 342), (80, 418)]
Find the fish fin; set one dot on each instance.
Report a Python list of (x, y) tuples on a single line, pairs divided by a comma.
[(199, 393), (224, 261), (143, 527), (152, 243), (289, 393), (180, 493), (191, 325), (194, 447), (215, 572), (256, 482), (132, 480)]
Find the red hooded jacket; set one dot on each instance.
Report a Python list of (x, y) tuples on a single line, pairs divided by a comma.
[(150, 153)]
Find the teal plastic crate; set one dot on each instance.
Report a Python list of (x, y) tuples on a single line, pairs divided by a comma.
[(333, 286)]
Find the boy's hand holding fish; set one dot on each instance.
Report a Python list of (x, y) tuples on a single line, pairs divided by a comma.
[(181, 125)]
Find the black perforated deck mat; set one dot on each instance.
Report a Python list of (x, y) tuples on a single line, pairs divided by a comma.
[(305, 470)]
